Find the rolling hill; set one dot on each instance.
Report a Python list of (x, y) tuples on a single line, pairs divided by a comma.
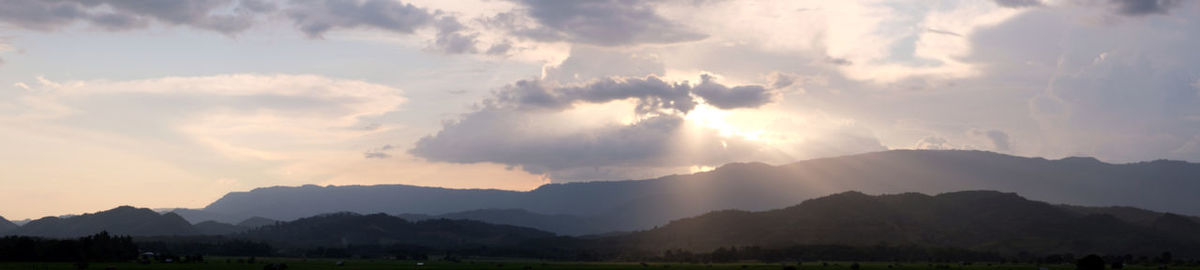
[(220, 228), (560, 224), (641, 204), (6, 225), (976, 220), (124, 220), (350, 229)]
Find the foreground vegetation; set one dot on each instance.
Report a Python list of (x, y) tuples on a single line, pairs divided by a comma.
[(296, 263)]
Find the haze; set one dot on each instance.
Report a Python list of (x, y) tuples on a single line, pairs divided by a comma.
[(174, 104)]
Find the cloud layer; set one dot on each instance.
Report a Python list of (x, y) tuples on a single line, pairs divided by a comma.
[(604, 23), (518, 127), (225, 16)]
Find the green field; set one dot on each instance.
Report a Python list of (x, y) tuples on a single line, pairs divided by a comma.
[(221, 263)]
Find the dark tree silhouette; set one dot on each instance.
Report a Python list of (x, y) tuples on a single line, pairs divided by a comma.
[(1090, 262)]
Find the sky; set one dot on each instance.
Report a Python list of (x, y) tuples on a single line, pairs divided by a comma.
[(175, 103)]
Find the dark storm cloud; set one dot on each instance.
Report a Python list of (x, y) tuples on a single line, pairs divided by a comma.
[(601, 22), (1143, 7), (135, 14), (721, 96)]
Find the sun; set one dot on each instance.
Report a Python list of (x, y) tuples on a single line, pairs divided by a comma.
[(711, 117)]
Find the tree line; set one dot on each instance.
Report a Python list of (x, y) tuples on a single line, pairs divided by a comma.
[(100, 247)]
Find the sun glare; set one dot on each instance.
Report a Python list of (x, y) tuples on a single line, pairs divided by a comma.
[(714, 118)]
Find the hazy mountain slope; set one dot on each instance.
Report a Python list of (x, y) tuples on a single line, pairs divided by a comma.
[(124, 220), (220, 228), (196, 216), (255, 222), (289, 203), (977, 220), (216, 228), (629, 205), (6, 225), (1128, 214), (560, 224), (349, 229)]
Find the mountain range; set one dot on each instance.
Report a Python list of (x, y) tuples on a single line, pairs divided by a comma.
[(126, 220), (600, 207), (217, 228), (975, 220), (978, 221), (351, 229), (6, 225)]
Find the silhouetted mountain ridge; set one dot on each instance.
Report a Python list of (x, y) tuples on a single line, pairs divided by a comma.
[(560, 224), (640, 204), (351, 229), (977, 220), (124, 220), (6, 225)]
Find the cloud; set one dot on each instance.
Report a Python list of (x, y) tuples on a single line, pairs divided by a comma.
[(246, 117), (116, 15), (312, 17), (603, 23), (997, 140), (750, 96), (379, 153), (652, 94), (587, 63), (451, 37), (1018, 3), (933, 143), (511, 138), (4, 47), (1143, 7), (315, 17), (791, 82), (534, 125)]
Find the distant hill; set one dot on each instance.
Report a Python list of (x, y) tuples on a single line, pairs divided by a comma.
[(1129, 214), (220, 228), (217, 228), (559, 224), (256, 222), (196, 216), (349, 229), (641, 204), (124, 220), (6, 225), (977, 220)]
